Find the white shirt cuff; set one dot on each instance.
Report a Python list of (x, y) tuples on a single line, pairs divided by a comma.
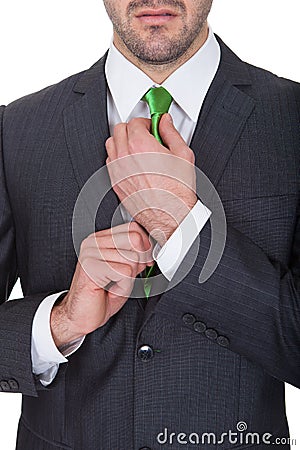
[(170, 256), (45, 356)]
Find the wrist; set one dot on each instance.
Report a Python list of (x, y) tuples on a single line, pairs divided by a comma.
[(166, 225), (63, 330)]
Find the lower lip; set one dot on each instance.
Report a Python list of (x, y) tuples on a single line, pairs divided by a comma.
[(156, 20)]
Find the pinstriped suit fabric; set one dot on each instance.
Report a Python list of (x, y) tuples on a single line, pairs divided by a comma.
[(247, 142)]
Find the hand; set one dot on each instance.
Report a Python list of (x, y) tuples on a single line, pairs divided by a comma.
[(110, 258), (159, 200)]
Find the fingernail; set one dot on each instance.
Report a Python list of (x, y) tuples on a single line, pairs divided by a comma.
[(169, 118)]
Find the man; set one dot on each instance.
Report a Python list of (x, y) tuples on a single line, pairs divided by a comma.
[(199, 363)]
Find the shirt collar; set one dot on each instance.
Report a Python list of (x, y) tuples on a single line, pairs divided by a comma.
[(188, 85)]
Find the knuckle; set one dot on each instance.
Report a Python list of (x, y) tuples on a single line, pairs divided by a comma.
[(127, 270), (186, 151), (109, 141), (85, 244), (191, 156), (82, 247), (188, 154), (136, 240), (134, 122), (119, 126), (134, 226), (134, 258), (83, 263)]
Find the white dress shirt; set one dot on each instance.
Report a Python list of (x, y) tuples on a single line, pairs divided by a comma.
[(127, 84)]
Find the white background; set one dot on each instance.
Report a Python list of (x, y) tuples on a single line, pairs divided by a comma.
[(44, 42)]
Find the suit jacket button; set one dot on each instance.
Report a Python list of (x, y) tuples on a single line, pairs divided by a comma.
[(223, 341), (200, 327), (14, 385), (188, 319), (211, 334), (145, 448), (5, 386), (145, 353)]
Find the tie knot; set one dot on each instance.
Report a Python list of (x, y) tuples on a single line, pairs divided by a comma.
[(159, 100)]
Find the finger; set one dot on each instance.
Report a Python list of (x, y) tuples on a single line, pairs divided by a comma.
[(134, 227), (127, 228), (137, 260), (141, 123), (120, 140), (140, 138), (103, 272), (120, 241), (130, 236), (110, 255), (123, 228), (121, 289), (111, 149), (173, 140), (128, 245)]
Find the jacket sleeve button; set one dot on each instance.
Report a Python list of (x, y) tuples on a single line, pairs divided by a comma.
[(5, 386), (211, 334), (200, 327), (223, 341), (14, 385), (188, 319)]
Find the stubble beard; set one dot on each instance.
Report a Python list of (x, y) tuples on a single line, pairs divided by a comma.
[(158, 48)]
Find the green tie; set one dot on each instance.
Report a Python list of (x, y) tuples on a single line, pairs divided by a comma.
[(159, 101)]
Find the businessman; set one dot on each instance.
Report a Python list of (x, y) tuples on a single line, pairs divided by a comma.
[(195, 364)]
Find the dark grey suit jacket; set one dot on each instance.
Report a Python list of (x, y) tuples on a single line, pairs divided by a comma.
[(200, 378)]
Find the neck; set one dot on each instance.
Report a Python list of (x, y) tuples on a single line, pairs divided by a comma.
[(160, 72)]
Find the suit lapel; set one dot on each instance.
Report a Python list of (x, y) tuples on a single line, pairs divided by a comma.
[(223, 116), (86, 130)]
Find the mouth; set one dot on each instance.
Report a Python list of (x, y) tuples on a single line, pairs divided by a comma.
[(156, 16)]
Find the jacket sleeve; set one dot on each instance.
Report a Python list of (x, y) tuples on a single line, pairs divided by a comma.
[(250, 301), (16, 316)]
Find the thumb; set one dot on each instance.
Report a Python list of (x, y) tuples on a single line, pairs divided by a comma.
[(170, 136)]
